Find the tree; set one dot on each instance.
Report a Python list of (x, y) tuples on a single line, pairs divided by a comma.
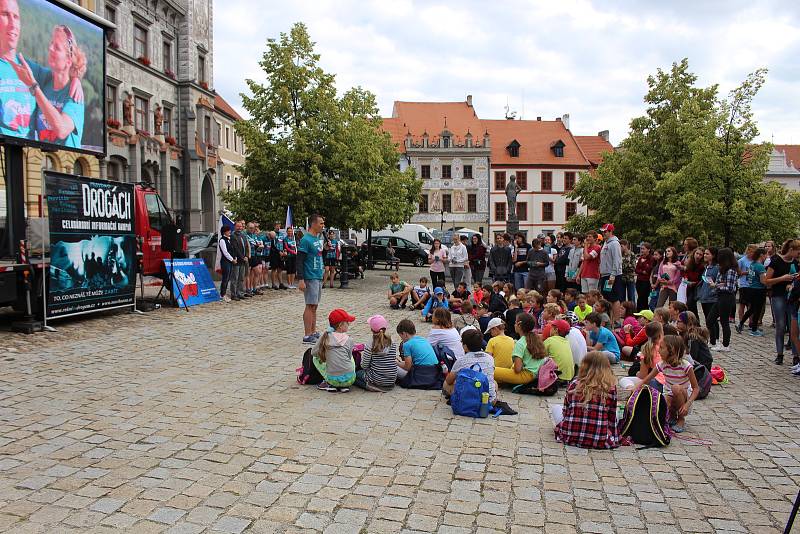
[(689, 167), (318, 152)]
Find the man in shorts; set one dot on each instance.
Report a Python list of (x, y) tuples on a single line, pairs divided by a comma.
[(611, 284), (310, 270), (255, 259)]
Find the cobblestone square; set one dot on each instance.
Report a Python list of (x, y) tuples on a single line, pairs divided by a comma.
[(193, 422)]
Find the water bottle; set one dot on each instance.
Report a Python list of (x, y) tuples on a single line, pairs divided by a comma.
[(484, 405)]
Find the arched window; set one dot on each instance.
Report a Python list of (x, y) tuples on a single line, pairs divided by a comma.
[(49, 163), (79, 168)]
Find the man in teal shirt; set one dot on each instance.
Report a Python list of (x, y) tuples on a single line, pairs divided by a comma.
[(309, 274)]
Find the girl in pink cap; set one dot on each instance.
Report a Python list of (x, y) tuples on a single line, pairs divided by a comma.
[(379, 360)]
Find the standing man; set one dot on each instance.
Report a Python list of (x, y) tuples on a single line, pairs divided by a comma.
[(500, 260), (611, 283), (238, 250), (310, 270), (458, 258), (562, 260)]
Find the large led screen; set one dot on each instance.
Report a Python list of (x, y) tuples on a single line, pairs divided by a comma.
[(52, 72)]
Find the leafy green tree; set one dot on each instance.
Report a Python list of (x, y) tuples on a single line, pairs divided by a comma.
[(690, 167), (315, 151)]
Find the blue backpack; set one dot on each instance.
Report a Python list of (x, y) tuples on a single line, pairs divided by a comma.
[(446, 357), (469, 387)]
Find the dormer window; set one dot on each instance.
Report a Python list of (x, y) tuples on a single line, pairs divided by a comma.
[(446, 141), (558, 148), (513, 149)]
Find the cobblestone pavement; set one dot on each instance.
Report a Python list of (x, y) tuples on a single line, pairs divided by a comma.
[(193, 422)]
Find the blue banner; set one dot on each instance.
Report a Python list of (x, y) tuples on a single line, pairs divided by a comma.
[(192, 284)]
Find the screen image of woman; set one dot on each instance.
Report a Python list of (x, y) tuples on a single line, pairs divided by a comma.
[(58, 117)]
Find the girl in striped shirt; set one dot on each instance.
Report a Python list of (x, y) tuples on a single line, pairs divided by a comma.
[(379, 359), (680, 384)]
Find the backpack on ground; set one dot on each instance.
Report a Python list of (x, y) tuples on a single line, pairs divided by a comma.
[(469, 387), (645, 418), (446, 357), (547, 378), (308, 374), (703, 376)]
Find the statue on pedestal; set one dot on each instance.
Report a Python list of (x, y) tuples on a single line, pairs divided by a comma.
[(127, 111), (512, 190), (158, 120)]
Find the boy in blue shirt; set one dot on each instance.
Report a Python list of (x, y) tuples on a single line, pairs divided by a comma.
[(756, 273), (601, 339), (418, 367)]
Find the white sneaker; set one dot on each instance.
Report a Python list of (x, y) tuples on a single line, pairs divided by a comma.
[(716, 348), (724, 349), (796, 367), (226, 298)]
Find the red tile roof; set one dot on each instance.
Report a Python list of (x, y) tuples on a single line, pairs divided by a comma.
[(792, 154), (223, 107), (535, 139), (593, 146), (421, 117)]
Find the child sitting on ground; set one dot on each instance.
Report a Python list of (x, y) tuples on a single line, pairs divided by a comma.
[(513, 310), (458, 297), (633, 341), (398, 292), (549, 314), (483, 318), (675, 308), (558, 348), (680, 384), (536, 302), (418, 367), (420, 294), (554, 296), (439, 300), (477, 295), (588, 418), (497, 303), (333, 354), (648, 358), (661, 315), (593, 296), (527, 356), (500, 345), (696, 338), (443, 332), (571, 298), (601, 339), (379, 359), (583, 308), (601, 308), (466, 317)]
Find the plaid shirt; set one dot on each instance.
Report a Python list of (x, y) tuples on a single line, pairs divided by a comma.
[(590, 426), (726, 283)]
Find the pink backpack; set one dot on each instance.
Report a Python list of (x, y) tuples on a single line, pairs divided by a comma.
[(547, 378)]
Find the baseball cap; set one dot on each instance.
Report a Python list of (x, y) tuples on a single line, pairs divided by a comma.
[(377, 323), (562, 326), (495, 321), (438, 291), (608, 227), (468, 327), (340, 316), (647, 314)]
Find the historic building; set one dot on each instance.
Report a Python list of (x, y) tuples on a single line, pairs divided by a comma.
[(466, 162), (231, 147), (784, 166), (446, 146), (165, 125)]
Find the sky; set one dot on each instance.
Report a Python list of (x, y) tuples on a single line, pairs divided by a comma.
[(587, 58)]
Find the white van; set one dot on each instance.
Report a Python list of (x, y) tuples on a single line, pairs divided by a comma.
[(416, 233)]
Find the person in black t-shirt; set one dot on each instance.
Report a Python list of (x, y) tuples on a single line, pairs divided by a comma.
[(782, 274), (521, 248)]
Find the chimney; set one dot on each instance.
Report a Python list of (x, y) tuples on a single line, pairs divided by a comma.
[(565, 120), (469, 100), (539, 119), (603, 134), (558, 119)]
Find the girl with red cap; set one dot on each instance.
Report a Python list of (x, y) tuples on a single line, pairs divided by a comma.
[(333, 354)]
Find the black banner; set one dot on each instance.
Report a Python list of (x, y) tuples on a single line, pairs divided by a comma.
[(92, 244)]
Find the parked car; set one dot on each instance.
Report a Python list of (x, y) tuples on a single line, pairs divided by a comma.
[(415, 233), (404, 250), (203, 245)]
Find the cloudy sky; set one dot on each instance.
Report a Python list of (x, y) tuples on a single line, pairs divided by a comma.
[(588, 58)]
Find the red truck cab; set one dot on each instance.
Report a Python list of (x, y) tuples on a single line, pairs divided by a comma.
[(151, 217)]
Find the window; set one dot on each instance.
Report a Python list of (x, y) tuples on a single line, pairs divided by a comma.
[(139, 41), (142, 119), (228, 181), (207, 129), (166, 56), (500, 182), (201, 68), (547, 180), (156, 212), (446, 172), (113, 171), (235, 141), (78, 168), (218, 136), (424, 238), (227, 137), (522, 211), (111, 16), (111, 102), (500, 211), (572, 209), (426, 172), (569, 181), (446, 141), (547, 211), (558, 151), (522, 180), (447, 202), (423, 203), (514, 150), (468, 172), (50, 163), (166, 128), (472, 203)]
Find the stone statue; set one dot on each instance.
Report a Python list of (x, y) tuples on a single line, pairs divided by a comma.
[(512, 190), (158, 119), (127, 111), (459, 201), (435, 203)]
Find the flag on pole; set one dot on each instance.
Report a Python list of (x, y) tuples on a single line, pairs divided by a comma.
[(227, 223), (289, 219)]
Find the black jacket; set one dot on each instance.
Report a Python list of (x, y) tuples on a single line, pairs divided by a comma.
[(500, 260), (239, 246)]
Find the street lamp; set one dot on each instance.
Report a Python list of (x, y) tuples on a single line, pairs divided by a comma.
[(441, 228)]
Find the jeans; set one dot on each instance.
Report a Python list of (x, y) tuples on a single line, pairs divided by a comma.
[(436, 278), (643, 295), (456, 273), (722, 310), (779, 308), (630, 291), (520, 279), (226, 275), (238, 274)]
